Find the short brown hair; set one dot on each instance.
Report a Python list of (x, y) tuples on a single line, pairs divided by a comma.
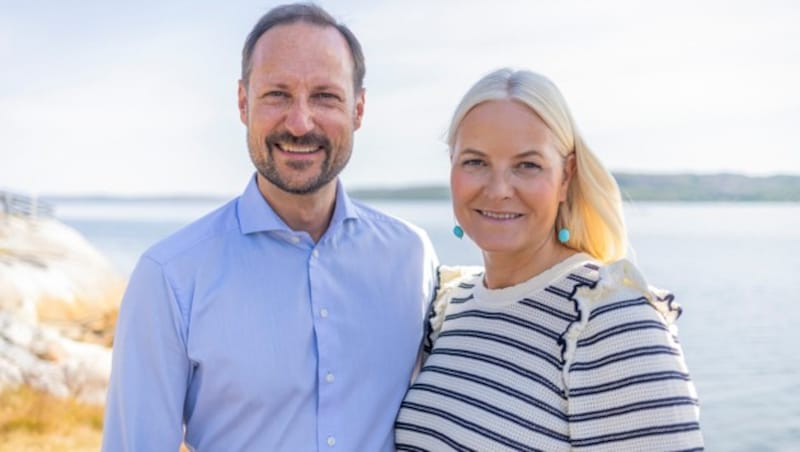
[(309, 13)]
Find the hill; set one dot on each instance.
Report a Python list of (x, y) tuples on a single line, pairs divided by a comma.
[(648, 187), (712, 187)]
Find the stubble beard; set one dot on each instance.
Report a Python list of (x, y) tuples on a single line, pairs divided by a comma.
[(261, 154)]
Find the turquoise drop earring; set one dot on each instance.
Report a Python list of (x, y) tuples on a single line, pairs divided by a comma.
[(563, 235), (458, 232)]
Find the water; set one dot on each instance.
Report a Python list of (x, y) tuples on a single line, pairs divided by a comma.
[(731, 266)]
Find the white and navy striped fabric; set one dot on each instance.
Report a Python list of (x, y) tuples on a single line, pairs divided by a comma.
[(580, 357)]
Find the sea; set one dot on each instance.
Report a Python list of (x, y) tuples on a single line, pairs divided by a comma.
[(734, 267)]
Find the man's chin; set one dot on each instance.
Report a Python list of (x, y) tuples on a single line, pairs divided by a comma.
[(302, 189), (296, 187)]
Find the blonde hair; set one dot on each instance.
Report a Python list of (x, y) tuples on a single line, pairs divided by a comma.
[(593, 209)]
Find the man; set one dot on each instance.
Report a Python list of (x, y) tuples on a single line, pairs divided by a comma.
[(290, 318)]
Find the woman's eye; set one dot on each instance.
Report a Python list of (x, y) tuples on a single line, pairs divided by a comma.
[(528, 165)]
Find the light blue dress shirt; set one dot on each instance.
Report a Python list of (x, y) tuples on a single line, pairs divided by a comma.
[(251, 337)]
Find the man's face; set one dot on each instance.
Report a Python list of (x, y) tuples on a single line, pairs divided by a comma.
[(300, 107)]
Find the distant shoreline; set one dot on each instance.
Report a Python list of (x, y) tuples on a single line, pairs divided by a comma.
[(634, 187)]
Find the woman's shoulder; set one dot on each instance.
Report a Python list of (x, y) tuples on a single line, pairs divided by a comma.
[(621, 312), (457, 277), (621, 285), (453, 282)]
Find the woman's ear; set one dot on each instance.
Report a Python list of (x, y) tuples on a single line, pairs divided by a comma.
[(570, 167)]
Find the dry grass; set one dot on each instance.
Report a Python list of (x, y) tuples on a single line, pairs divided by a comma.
[(33, 421)]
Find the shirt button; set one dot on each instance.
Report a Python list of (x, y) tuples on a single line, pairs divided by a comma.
[(330, 377), (331, 441), (323, 313), (315, 253), (295, 239)]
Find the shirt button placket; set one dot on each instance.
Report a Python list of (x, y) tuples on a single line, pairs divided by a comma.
[(329, 377)]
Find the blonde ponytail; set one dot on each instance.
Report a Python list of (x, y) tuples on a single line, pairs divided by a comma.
[(593, 209)]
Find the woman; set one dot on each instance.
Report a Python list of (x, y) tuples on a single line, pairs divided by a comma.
[(559, 344)]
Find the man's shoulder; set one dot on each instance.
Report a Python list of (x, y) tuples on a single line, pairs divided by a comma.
[(197, 235)]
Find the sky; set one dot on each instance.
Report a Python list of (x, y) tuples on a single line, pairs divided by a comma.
[(139, 98)]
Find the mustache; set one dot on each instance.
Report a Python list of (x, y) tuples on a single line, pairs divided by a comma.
[(309, 139)]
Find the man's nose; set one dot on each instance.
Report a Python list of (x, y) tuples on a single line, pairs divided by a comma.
[(299, 119)]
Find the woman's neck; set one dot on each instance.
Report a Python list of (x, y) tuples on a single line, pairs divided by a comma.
[(504, 269)]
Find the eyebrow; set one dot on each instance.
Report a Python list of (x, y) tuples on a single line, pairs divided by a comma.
[(317, 88), (525, 154), (328, 87)]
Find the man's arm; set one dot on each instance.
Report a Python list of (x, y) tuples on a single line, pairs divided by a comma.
[(150, 368)]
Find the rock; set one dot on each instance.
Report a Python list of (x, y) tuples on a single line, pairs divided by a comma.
[(58, 304), (50, 274), (77, 369)]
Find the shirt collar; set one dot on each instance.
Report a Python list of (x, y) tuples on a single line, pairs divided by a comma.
[(256, 215)]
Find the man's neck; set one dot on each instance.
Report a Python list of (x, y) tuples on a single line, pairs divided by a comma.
[(310, 212)]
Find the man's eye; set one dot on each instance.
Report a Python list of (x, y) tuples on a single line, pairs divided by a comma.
[(276, 94), (327, 96), (473, 162)]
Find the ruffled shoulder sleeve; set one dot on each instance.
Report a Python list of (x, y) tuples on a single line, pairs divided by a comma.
[(616, 282), (622, 278), (622, 352), (452, 281)]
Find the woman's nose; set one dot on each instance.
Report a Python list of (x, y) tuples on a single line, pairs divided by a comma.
[(499, 185)]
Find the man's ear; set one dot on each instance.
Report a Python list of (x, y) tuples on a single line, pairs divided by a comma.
[(243, 102), (358, 113)]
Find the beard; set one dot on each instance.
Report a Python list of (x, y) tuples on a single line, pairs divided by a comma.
[(263, 159)]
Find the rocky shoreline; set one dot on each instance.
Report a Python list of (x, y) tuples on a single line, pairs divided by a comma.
[(58, 304)]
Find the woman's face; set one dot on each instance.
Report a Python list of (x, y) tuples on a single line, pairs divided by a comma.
[(507, 178)]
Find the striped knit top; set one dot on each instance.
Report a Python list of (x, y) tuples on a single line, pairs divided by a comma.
[(580, 357)]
